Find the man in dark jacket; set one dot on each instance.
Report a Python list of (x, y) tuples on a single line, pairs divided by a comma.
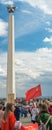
[(17, 112), (44, 116)]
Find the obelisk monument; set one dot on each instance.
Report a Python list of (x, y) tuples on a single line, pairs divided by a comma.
[(10, 59)]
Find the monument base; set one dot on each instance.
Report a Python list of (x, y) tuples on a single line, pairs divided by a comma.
[(11, 98)]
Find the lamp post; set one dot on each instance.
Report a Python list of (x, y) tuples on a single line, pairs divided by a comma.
[(10, 59)]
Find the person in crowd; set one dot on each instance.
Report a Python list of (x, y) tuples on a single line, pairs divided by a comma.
[(34, 113), (9, 121), (1, 115), (50, 108), (44, 116), (47, 102), (17, 112), (22, 111), (25, 111), (3, 106)]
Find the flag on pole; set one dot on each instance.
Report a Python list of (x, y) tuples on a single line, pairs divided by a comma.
[(33, 92)]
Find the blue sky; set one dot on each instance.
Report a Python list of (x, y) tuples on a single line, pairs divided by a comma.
[(33, 45)]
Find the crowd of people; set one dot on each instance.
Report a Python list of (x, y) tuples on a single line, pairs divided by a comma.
[(40, 112)]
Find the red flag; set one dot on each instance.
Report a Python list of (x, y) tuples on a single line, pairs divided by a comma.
[(33, 93)]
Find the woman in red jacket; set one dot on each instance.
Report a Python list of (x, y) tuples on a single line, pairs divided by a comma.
[(9, 120)]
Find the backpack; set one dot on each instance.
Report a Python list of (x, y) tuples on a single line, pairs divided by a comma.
[(44, 126)]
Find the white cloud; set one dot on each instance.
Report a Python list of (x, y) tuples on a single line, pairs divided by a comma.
[(24, 24), (3, 28), (29, 66), (46, 6), (48, 23), (3, 65), (2, 72), (49, 30), (9, 2), (28, 25), (49, 40), (26, 11)]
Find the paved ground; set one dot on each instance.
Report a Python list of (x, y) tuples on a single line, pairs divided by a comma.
[(25, 120)]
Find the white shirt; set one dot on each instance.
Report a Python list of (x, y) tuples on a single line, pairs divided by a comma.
[(34, 112)]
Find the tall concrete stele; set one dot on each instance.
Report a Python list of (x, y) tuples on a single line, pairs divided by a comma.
[(10, 59)]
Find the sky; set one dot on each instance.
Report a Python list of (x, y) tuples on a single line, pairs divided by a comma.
[(33, 45)]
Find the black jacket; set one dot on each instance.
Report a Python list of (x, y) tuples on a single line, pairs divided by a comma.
[(17, 113)]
